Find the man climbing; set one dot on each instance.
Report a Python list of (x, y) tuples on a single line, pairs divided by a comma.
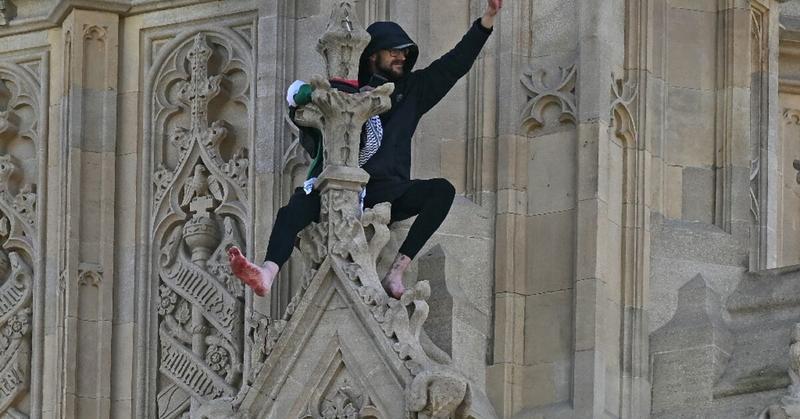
[(386, 149)]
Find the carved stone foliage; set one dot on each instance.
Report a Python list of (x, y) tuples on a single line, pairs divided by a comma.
[(20, 137), (549, 89), (622, 122), (339, 394), (201, 102), (436, 389), (199, 81)]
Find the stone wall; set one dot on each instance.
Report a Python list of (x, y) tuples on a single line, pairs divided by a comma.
[(626, 169)]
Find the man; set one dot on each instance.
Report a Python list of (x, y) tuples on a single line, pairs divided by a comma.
[(386, 154)]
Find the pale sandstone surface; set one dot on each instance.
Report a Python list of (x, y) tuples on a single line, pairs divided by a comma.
[(624, 243)]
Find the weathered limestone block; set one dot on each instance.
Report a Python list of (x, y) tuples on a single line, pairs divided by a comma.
[(789, 406), (689, 352), (763, 314)]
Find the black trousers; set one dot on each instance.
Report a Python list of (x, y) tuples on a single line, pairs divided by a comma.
[(429, 200)]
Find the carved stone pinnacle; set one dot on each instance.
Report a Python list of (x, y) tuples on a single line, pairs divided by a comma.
[(342, 42)]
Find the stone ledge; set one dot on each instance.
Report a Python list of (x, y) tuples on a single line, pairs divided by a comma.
[(54, 15)]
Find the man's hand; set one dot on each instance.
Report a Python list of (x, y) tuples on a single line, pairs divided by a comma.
[(492, 8)]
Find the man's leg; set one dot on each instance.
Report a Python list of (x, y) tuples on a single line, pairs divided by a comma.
[(430, 201), (301, 210)]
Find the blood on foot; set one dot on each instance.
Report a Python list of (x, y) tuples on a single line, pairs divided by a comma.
[(251, 274)]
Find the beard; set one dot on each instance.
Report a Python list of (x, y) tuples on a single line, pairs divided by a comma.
[(391, 70)]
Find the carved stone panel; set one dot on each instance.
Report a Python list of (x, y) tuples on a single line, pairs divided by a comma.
[(200, 103), (21, 132), (551, 97)]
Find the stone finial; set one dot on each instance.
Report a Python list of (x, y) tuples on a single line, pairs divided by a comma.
[(342, 42)]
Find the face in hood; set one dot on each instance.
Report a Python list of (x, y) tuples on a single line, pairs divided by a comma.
[(386, 35)]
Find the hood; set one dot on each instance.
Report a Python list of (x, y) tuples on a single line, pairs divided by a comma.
[(386, 35)]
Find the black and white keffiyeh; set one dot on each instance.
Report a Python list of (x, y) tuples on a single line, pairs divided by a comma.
[(374, 135)]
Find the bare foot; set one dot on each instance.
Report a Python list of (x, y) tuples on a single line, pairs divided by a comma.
[(393, 281), (259, 278), (394, 287)]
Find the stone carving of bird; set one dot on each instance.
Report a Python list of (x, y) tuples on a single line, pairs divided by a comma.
[(196, 186)]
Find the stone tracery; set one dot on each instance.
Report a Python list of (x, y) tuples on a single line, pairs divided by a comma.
[(200, 205), (20, 133), (546, 87)]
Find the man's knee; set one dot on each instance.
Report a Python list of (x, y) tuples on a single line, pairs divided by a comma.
[(443, 189)]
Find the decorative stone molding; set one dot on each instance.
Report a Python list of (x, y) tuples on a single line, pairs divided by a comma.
[(95, 32), (22, 122), (7, 127), (436, 389), (90, 274), (339, 395), (545, 88), (16, 294), (622, 121)]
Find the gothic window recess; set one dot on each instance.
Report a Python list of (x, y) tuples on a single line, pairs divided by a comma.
[(200, 105)]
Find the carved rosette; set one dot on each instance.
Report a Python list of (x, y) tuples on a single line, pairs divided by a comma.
[(20, 136), (546, 88), (201, 208)]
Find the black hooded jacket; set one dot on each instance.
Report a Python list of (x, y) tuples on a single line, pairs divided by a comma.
[(414, 95)]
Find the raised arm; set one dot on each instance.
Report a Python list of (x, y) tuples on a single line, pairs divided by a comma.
[(441, 75)]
